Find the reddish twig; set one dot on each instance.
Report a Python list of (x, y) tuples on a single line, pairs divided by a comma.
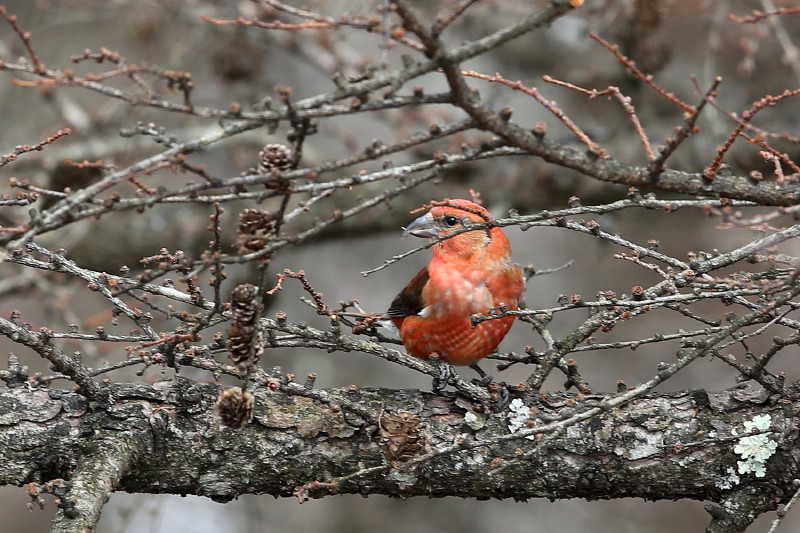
[(175, 79), (624, 101), (165, 256), (767, 101), (550, 106), (24, 36), (776, 161), (167, 338), (276, 25), (134, 177), (372, 24), (784, 158), (86, 164), (317, 487), (215, 248), (321, 308), (15, 230), (671, 143), (443, 21), (647, 79), (761, 15), (711, 170), (782, 136), (38, 147)]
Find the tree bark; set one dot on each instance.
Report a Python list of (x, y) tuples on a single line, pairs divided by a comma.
[(401, 443)]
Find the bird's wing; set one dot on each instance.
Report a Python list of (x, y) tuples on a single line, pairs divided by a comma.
[(409, 301)]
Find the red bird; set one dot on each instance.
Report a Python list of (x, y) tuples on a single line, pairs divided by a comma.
[(469, 273)]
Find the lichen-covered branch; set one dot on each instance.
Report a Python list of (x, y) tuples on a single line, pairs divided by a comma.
[(164, 438), (396, 104), (106, 458)]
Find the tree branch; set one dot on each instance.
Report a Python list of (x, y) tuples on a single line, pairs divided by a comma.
[(639, 449), (107, 457)]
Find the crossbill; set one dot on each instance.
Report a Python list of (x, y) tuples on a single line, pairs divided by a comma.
[(469, 273)]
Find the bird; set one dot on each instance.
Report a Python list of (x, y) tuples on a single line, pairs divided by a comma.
[(469, 273)]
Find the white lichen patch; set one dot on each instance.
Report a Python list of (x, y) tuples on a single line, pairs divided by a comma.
[(729, 480), (473, 421), (759, 423), (647, 445), (518, 416), (755, 449)]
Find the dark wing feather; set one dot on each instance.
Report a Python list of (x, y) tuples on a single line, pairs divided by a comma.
[(409, 301)]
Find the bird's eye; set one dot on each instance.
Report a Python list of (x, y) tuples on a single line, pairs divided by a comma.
[(450, 220)]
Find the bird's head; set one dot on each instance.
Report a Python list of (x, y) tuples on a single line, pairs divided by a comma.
[(449, 217)]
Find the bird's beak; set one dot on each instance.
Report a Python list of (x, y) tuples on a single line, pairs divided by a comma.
[(423, 226)]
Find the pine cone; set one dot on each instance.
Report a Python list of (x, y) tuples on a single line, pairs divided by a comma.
[(254, 227), (243, 345), (244, 334), (251, 244), (253, 220), (274, 157), (235, 407), (246, 307)]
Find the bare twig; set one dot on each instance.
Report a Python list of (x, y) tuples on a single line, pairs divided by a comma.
[(624, 101), (550, 106), (639, 75)]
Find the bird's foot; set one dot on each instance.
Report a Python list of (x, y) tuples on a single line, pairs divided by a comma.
[(485, 378), (499, 391), (445, 373)]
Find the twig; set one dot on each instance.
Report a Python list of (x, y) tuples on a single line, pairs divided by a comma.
[(792, 501), (624, 101), (24, 36), (758, 16), (276, 25), (41, 344), (556, 218), (306, 336), (23, 149), (747, 115), (779, 157), (791, 54), (547, 104), (656, 166), (639, 75), (443, 21)]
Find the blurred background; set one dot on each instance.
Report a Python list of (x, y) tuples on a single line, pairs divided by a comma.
[(672, 40)]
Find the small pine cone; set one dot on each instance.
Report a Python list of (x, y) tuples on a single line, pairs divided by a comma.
[(250, 244), (253, 220), (243, 345), (235, 407), (245, 305), (274, 157)]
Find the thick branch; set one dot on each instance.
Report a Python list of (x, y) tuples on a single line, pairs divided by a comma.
[(612, 171), (668, 446), (107, 458), (738, 510)]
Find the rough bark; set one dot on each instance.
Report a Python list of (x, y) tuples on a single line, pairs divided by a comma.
[(165, 438)]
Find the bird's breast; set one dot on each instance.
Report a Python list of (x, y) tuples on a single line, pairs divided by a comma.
[(456, 293)]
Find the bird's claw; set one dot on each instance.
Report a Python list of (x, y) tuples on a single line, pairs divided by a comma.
[(485, 378), (445, 373), (483, 381), (500, 392)]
